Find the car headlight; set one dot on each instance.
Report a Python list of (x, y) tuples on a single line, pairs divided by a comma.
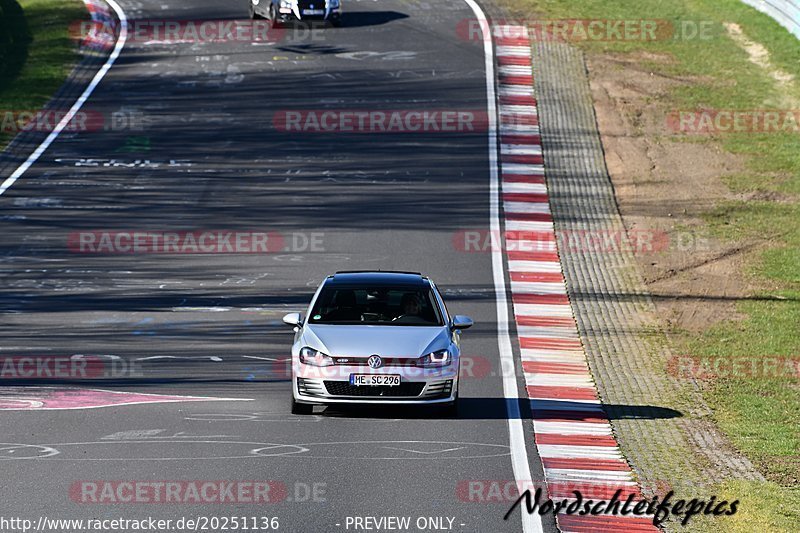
[(310, 356), (286, 3), (439, 358)]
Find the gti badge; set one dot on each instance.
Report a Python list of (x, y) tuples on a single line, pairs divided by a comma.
[(375, 361)]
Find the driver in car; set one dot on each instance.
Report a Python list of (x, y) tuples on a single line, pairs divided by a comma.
[(410, 304)]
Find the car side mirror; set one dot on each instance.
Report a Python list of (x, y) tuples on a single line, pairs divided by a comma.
[(293, 319), (461, 322)]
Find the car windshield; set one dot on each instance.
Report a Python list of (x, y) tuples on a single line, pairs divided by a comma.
[(376, 305)]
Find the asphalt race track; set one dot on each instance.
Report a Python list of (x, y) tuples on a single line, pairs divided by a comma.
[(206, 153)]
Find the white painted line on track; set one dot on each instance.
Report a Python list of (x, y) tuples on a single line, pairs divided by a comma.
[(571, 428), (521, 110), (521, 168), (529, 225), (558, 380), (554, 356), (540, 287), (579, 452), (552, 332), (531, 522), (527, 207), (543, 309), (534, 266), (520, 149), (65, 120), (522, 187), (514, 51), (516, 90), (621, 477), (518, 70), (519, 129)]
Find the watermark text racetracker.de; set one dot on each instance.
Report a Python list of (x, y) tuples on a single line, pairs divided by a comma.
[(78, 367), (731, 121), (735, 367), (163, 31), (638, 241), (193, 242), (195, 491), (383, 120), (15, 121), (470, 367), (590, 30), (239, 522)]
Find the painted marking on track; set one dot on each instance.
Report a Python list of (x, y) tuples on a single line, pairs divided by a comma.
[(394, 55), (65, 120), (374, 450), (139, 434), (133, 434), (15, 451), (154, 449), (423, 451), (122, 163), (262, 417), (214, 358), (60, 399)]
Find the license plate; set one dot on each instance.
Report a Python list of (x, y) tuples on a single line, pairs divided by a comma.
[(375, 380), (313, 12)]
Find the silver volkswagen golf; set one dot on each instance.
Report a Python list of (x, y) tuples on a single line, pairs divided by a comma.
[(376, 338)]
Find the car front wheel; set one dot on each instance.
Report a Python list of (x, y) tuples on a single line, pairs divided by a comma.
[(273, 17), (253, 14), (301, 408), (450, 410)]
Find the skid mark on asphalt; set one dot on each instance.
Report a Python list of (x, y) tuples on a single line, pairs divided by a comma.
[(140, 434)]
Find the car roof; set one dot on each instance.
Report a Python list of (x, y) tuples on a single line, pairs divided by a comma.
[(378, 277)]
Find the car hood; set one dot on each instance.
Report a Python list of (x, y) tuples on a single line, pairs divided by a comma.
[(386, 341)]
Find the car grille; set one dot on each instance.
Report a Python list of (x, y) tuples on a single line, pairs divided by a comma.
[(344, 388), (387, 361), (306, 4)]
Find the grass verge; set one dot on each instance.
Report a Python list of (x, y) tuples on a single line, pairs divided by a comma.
[(759, 410), (36, 53)]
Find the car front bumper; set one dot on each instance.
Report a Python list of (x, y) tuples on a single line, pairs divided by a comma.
[(331, 385)]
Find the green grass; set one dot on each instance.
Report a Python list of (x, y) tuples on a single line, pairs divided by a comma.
[(761, 414), (762, 507), (36, 51)]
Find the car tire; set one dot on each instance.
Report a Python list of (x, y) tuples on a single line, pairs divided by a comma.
[(450, 410), (253, 14), (273, 17), (301, 408)]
